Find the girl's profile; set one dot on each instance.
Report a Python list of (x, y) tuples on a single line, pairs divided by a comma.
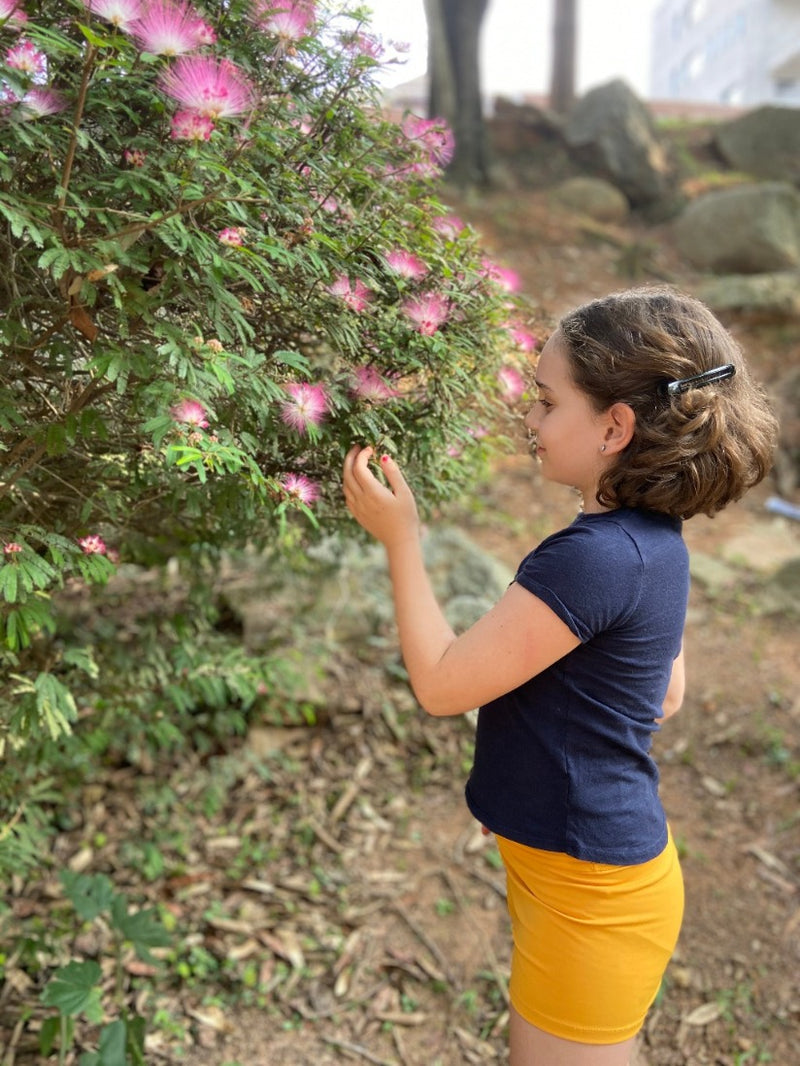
[(645, 405)]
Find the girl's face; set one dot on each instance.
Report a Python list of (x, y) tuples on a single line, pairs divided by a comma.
[(569, 432)]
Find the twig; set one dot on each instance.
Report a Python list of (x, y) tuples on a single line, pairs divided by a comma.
[(357, 1049), (422, 936)]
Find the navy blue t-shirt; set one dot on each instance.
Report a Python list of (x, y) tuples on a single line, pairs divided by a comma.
[(563, 762)]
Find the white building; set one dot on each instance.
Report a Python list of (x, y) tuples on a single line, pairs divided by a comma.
[(737, 52)]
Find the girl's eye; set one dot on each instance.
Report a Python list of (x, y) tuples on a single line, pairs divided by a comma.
[(544, 403)]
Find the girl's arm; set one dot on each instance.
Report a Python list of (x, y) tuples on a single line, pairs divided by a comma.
[(517, 639), (676, 688)]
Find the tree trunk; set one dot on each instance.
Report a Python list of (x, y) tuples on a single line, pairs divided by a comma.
[(454, 28), (562, 80)]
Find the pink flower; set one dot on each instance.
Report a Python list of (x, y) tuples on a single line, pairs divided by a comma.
[(191, 413), (405, 264), (300, 488), (428, 312), (232, 236), (288, 19), (512, 383), (10, 11), (167, 28), (120, 13), (307, 406), (134, 157), (189, 126), (36, 103), (506, 279), (214, 88), (11, 547), (521, 337), (92, 545), (372, 386), (448, 225), (204, 33), (25, 56), (356, 295), (433, 136)]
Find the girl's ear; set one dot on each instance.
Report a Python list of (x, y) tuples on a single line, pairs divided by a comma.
[(620, 424)]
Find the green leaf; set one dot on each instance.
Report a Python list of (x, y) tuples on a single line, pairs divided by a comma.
[(89, 894), (74, 990), (143, 928), (8, 582), (111, 1050)]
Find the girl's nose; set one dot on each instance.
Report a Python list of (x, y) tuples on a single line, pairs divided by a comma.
[(530, 420)]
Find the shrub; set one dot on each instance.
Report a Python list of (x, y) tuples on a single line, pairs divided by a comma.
[(221, 265)]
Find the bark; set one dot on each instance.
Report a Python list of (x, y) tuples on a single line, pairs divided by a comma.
[(562, 78), (454, 28)]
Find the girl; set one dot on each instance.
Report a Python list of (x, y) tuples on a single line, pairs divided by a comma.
[(645, 406)]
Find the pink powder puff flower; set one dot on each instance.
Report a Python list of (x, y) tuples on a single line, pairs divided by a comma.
[(36, 103), (508, 280), (405, 264), (290, 20), (204, 33), (25, 56), (232, 236), (166, 28), (448, 225), (11, 547), (522, 338), (190, 413), (372, 386), (512, 383), (428, 312), (356, 295), (307, 406), (189, 126), (10, 12), (120, 13), (214, 88), (433, 135), (300, 488), (92, 545)]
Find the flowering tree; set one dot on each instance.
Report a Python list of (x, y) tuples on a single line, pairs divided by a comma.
[(220, 267)]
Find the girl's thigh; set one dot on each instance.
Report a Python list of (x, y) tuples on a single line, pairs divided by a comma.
[(531, 1046)]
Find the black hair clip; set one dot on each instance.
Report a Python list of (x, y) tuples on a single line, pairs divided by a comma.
[(698, 381)]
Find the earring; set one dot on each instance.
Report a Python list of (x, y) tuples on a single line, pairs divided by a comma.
[(603, 448)]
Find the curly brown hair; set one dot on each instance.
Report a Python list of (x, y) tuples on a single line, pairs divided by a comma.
[(692, 453)]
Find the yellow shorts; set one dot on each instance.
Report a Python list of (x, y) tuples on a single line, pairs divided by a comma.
[(591, 942)]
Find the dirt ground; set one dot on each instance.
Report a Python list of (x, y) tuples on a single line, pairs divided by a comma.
[(364, 921), (420, 963)]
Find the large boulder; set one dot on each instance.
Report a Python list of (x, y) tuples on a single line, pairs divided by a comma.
[(771, 296), (764, 142), (611, 133), (594, 197), (748, 229)]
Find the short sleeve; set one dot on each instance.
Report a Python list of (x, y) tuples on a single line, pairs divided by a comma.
[(590, 575)]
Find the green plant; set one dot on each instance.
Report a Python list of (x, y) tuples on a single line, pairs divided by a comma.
[(75, 989), (218, 271)]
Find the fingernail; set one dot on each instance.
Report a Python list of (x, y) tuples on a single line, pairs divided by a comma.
[(384, 458)]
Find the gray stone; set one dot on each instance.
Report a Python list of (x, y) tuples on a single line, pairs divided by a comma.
[(612, 134), (764, 142), (595, 197), (748, 229), (773, 295)]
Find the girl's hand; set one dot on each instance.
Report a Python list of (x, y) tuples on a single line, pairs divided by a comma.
[(389, 514)]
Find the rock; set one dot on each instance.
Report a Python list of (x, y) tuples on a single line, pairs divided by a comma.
[(611, 133), (598, 199), (786, 397), (769, 295), (764, 142), (748, 229)]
